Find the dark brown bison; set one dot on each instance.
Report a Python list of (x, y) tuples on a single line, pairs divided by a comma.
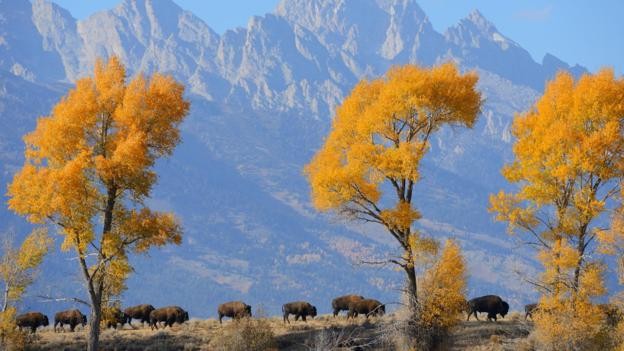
[(491, 304), (234, 309), (140, 312), (529, 309), (168, 315), (612, 313), (367, 307), (299, 309), (342, 303), (32, 320), (70, 317), (114, 316)]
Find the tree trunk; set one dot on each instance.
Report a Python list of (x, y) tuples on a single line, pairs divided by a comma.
[(412, 290), (95, 284), (5, 304), (94, 321), (94, 330), (581, 251)]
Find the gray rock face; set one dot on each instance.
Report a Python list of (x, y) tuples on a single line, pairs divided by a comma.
[(262, 101)]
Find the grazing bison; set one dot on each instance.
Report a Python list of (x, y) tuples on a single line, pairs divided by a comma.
[(114, 316), (141, 312), (168, 315), (32, 320), (299, 309), (342, 303), (529, 309), (612, 313), (367, 307), (233, 309), (70, 317), (491, 304)]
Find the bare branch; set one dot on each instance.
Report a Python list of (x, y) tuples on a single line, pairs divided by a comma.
[(62, 299)]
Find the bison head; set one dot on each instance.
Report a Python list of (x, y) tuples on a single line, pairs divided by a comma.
[(313, 312), (46, 322), (505, 309), (84, 320), (248, 310), (185, 317), (381, 310)]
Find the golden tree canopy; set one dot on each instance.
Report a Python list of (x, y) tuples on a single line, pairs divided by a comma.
[(380, 134), (569, 154)]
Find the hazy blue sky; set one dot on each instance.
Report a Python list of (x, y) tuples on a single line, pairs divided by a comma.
[(577, 31)]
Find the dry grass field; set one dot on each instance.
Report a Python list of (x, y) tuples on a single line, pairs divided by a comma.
[(322, 333)]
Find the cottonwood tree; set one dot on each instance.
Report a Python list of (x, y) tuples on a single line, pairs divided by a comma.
[(568, 165), (89, 169), (18, 269), (378, 139), (19, 265)]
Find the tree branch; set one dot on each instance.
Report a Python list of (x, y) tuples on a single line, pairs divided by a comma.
[(61, 299)]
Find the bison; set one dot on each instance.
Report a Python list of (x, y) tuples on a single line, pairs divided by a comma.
[(299, 309), (367, 307), (32, 320), (529, 309), (491, 304), (613, 315), (114, 316), (342, 303), (71, 317), (168, 315), (233, 309), (141, 312)]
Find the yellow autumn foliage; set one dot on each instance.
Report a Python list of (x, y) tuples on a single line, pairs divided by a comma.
[(10, 337), (443, 287), (18, 266), (570, 320)]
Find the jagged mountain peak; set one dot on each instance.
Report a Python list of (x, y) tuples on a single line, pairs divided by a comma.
[(475, 29), (476, 17), (49, 7)]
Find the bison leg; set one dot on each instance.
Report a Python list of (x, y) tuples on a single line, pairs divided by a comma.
[(33, 329), (220, 318), (336, 311), (296, 317), (476, 314), (304, 318), (286, 318)]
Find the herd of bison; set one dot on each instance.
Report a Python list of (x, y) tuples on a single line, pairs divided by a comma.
[(354, 305)]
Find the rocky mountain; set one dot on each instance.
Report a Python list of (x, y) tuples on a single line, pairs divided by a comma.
[(262, 100)]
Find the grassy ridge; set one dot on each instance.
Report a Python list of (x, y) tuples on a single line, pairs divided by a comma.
[(321, 333)]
